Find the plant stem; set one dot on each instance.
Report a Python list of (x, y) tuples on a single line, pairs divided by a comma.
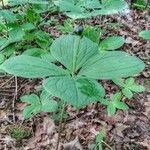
[(60, 125)]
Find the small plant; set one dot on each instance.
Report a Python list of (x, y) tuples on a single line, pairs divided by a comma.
[(99, 139), (114, 104), (19, 132), (128, 87), (44, 103), (74, 80)]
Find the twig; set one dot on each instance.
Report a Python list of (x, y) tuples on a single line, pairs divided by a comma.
[(15, 97), (60, 125), (6, 82), (107, 145)]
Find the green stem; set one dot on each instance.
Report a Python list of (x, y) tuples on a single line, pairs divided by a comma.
[(60, 125)]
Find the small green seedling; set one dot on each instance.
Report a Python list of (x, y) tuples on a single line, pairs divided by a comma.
[(44, 103), (99, 139), (114, 103), (19, 132), (128, 87)]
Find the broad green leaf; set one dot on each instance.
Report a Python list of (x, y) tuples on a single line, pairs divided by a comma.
[(48, 57), (19, 2), (43, 39), (27, 26), (2, 41), (137, 88), (111, 7), (33, 108), (127, 92), (48, 105), (77, 92), (110, 65), (36, 52), (31, 99), (31, 67), (73, 51), (112, 43), (88, 8), (15, 35), (111, 109), (145, 34), (2, 58), (7, 15)]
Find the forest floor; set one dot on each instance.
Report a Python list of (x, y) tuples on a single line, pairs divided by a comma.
[(129, 130)]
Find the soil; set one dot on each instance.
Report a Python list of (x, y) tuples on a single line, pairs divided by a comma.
[(129, 130)]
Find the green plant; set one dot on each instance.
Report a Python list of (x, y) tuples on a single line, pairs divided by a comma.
[(99, 139), (141, 4), (77, 9), (19, 132), (44, 103), (93, 33), (128, 87), (145, 34), (114, 103), (75, 83), (20, 27), (67, 26), (71, 71)]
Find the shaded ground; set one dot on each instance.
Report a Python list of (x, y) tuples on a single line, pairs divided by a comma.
[(128, 130)]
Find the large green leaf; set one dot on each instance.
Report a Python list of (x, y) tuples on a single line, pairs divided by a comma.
[(76, 91), (114, 64), (73, 51), (112, 43), (19, 2), (7, 15), (31, 67), (88, 8)]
